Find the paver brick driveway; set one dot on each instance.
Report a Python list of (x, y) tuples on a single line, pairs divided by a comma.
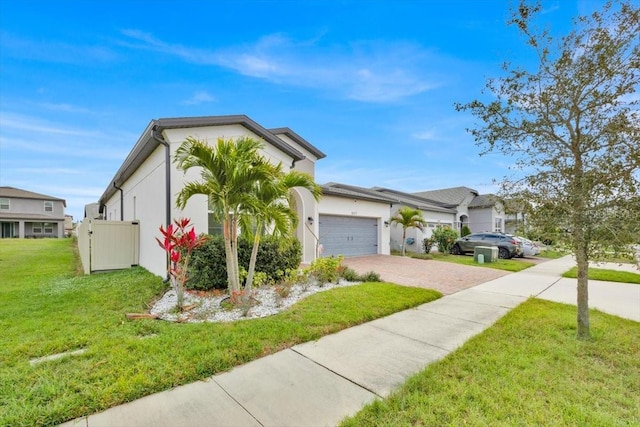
[(445, 277)]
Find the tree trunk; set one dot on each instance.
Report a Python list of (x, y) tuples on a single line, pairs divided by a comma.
[(232, 281), (581, 248), (252, 263), (584, 332), (404, 239), (234, 254)]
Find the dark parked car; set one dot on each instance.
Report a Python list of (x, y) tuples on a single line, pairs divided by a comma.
[(508, 247)]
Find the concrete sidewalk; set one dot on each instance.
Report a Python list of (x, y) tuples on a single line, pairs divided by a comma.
[(319, 383)]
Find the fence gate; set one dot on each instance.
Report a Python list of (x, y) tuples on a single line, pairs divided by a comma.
[(108, 245)]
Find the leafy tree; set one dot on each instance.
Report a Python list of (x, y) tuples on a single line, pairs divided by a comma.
[(408, 218), (445, 237), (229, 173), (573, 126), (274, 210)]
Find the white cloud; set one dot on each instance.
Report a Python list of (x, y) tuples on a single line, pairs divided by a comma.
[(425, 135), (67, 108), (363, 71), (20, 122), (199, 98), (49, 171), (53, 51)]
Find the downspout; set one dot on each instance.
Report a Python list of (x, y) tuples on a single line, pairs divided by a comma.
[(167, 164), (157, 135), (121, 200)]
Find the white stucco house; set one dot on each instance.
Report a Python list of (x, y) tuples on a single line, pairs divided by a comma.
[(435, 214), (479, 212), (354, 221), (144, 188), (348, 220)]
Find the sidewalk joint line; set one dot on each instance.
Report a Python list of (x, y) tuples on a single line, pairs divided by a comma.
[(337, 373), (548, 287), (235, 400), (417, 340)]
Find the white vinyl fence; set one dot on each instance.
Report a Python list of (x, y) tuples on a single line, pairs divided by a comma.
[(108, 245)]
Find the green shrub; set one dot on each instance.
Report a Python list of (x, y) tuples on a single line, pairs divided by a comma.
[(445, 238), (465, 231), (370, 276), (349, 275), (428, 243), (208, 269), (325, 270)]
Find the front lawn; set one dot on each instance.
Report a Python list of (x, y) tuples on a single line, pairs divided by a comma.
[(512, 265), (606, 275), (46, 309), (528, 369)]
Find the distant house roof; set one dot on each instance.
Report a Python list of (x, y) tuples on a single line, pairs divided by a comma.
[(30, 216), (450, 196), (415, 201), (17, 193), (483, 201), (353, 192), (151, 137)]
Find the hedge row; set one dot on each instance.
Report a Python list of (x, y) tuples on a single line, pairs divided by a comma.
[(208, 268)]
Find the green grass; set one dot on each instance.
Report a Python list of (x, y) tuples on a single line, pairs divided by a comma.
[(606, 275), (553, 253), (528, 369), (46, 309), (501, 264)]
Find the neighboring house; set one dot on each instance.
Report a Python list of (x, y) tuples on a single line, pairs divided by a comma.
[(435, 214), (145, 187), (478, 212), (69, 226), (27, 214), (354, 221)]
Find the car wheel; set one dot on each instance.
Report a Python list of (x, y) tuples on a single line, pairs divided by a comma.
[(504, 253), (455, 250)]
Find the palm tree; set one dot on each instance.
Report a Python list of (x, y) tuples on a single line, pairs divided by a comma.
[(230, 172), (408, 217), (274, 211)]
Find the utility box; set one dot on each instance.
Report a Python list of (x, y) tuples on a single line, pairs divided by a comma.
[(490, 253)]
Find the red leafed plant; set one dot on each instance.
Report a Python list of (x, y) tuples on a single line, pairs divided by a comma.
[(178, 243)]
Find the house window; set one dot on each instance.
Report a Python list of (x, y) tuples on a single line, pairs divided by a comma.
[(498, 226), (48, 206), (48, 228), (214, 227), (37, 228), (4, 204)]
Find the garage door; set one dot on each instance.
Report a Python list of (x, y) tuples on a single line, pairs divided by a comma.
[(348, 236)]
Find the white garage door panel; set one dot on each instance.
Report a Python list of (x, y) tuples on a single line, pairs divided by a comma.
[(348, 236)]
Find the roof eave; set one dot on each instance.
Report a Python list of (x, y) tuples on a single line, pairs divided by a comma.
[(300, 140)]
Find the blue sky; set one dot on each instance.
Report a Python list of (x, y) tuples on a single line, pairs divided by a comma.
[(370, 83)]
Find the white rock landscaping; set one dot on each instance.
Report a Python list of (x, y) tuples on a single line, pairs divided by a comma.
[(209, 309)]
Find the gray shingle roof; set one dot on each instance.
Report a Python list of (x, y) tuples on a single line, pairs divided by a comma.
[(30, 216), (415, 201), (449, 196), (18, 193), (483, 201), (351, 191)]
